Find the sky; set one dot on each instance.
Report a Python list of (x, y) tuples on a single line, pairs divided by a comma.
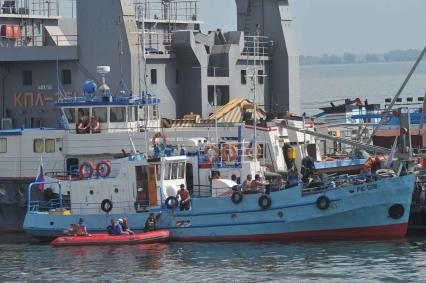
[(338, 26)]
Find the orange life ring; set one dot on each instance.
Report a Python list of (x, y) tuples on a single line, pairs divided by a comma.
[(229, 152), (249, 152), (159, 135), (208, 149), (86, 170), (103, 168), (309, 124)]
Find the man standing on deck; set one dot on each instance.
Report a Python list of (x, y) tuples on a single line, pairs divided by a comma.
[(185, 198)]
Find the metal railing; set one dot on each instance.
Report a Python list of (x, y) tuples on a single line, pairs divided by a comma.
[(158, 43), (169, 10), (258, 46), (39, 41), (45, 8)]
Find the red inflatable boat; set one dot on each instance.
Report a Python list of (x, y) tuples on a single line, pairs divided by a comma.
[(106, 239)]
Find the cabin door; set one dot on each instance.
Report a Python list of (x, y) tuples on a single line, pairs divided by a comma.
[(142, 197), (152, 185)]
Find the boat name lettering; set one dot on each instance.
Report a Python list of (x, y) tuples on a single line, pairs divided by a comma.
[(366, 188)]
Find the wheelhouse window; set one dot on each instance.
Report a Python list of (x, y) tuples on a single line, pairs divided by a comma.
[(243, 77), (3, 145), (181, 170), (154, 112), (168, 171), (260, 77), (100, 114), (118, 114), (174, 171), (70, 115), (27, 78), (49, 145), (154, 76), (38, 145)]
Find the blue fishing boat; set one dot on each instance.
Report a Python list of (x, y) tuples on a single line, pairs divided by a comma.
[(340, 207)]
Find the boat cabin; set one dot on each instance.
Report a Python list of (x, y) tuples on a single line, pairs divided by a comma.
[(84, 115)]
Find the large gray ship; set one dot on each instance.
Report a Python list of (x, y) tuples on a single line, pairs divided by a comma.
[(48, 51)]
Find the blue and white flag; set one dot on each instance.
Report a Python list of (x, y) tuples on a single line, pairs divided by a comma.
[(40, 175)]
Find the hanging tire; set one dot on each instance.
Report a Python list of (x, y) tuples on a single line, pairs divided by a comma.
[(265, 202), (171, 202), (106, 205), (323, 203), (237, 197), (396, 211)]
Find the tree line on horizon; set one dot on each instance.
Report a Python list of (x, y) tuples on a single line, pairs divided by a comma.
[(352, 58)]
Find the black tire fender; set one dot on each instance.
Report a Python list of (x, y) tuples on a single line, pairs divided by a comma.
[(265, 202), (323, 203), (237, 197), (106, 205)]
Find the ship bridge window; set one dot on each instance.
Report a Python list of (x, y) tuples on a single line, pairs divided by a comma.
[(49, 145), (38, 145), (3, 145), (118, 114), (101, 114), (154, 76), (66, 77), (70, 115)]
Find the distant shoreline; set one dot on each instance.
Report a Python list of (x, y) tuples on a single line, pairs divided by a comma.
[(359, 63), (393, 56)]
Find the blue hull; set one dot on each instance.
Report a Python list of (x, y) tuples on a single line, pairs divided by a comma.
[(354, 212)]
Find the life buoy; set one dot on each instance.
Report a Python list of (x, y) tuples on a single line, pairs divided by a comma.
[(211, 153), (106, 205), (159, 135), (265, 202), (103, 168), (171, 202), (323, 203), (229, 152), (309, 124), (249, 152), (237, 197), (86, 170)]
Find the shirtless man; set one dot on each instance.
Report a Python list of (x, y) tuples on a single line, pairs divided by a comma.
[(185, 198)]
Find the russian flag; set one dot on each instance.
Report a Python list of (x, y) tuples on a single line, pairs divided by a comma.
[(40, 175)]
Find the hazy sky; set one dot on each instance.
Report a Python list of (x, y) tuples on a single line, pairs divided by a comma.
[(337, 26)]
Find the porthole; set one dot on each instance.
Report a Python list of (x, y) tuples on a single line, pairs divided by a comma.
[(234, 217), (51, 223), (280, 214)]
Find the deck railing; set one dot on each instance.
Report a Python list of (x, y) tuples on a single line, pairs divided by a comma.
[(39, 41)]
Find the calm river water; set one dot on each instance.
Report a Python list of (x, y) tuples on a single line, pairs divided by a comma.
[(22, 260), (365, 261)]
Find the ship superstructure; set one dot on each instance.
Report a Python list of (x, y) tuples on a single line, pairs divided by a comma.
[(155, 46)]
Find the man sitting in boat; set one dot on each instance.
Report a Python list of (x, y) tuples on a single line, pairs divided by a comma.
[(150, 223), (79, 229), (249, 185), (125, 227), (185, 198), (118, 230), (256, 183)]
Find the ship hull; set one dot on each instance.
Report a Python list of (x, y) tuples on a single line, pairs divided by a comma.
[(354, 212)]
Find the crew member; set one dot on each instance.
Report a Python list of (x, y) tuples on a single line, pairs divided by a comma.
[(118, 230), (125, 227), (185, 198), (150, 223), (247, 184), (95, 125)]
